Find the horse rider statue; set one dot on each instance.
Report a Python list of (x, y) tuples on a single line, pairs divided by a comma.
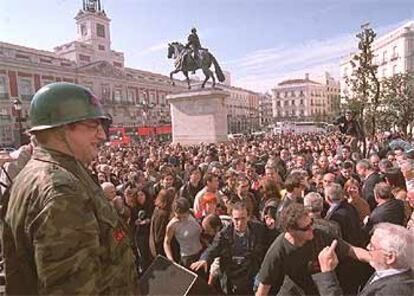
[(191, 56), (194, 45)]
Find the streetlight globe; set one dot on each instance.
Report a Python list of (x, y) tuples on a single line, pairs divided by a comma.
[(17, 105)]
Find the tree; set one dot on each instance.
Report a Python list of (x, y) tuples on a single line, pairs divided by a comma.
[(397, 104), (364, 97)]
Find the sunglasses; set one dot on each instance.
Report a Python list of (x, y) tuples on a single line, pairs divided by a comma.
[(305, 228)]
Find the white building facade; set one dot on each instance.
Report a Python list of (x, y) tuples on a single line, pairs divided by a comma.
[(393, 54), (306, 99)]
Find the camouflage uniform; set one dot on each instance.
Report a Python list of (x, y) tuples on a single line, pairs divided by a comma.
[(62, 235)]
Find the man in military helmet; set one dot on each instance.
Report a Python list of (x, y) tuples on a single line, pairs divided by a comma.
[(61, 235), (194, 45)]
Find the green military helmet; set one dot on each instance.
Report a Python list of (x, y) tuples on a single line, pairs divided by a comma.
[(63, 103)]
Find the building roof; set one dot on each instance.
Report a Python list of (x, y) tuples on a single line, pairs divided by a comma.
[(297, 81)]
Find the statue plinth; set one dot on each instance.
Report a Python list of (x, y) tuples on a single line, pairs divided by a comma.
[(199, 116)]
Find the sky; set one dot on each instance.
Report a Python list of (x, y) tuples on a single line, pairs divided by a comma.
[(260, 42)]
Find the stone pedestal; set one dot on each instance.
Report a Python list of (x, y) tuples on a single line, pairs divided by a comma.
[(199, 116)]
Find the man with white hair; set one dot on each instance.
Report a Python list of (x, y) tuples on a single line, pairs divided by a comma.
[(392, 257), (313, 202), (407, 169)]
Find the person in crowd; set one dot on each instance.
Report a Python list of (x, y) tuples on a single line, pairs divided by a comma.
[(389, 209), (270, 220), (395, 179), (374, 160), (208, 205), (410, 199), (295, 253), (60, 234), (344, 213), (184, 227), (370, 178), (391, 255), (193, 185), (313, 203), (243, 194), (353, 196), (294, 188), (240, 247), (211, 182), (167, 181), (407, 169), (346, 173), (270, 194), (159, 220), (141, 208)]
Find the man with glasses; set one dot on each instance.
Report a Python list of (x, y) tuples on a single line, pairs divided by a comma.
[(295, 254), (391, 254), (61, 235)]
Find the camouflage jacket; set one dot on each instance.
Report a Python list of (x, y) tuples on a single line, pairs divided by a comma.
[(61, 235)]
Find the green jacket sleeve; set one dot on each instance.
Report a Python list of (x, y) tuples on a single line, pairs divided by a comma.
[(66, 244)]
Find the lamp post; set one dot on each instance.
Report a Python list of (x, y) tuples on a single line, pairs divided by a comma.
[(17, 106)]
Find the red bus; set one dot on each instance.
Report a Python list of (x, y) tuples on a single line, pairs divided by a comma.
[(118, 135)]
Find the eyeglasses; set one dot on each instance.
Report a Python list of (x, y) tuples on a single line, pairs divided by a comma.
[(91, 124), (305, 228)]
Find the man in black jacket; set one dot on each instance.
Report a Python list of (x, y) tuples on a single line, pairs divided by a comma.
[(392, 253), (389, 209), (370, 178), (241, 247)]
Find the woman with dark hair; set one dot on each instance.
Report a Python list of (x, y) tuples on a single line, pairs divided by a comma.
[(159, 220), (354, 197), (270, 195), (396, 180), (185, 228), (141, 208)]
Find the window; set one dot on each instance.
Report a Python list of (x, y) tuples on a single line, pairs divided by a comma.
[(4, 91), (106, 90), (131, 96), (84, 58), (394, 53), (301, 101), (292, 102), (25, 89), (384, 57), (286, 94), (83, 29), (292, 93), (101, 47), (301, 93), (118, 96), (277, 95), (100, 30), (278, 103), (286, 103)]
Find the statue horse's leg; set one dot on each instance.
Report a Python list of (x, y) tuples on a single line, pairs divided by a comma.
[(187, 78), (171, 76), (208, 73)]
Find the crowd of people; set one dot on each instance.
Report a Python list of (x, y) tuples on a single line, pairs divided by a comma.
[(232, 200), (294, 214)]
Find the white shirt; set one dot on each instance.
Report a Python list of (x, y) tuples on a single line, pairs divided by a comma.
[(387, 272)]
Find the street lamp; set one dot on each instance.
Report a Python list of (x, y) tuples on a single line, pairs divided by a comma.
[(17, 106)]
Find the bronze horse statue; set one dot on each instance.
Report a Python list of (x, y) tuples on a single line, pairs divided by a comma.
[(185, 63)]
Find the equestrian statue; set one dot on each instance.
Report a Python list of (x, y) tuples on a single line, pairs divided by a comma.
[(191, 57)]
